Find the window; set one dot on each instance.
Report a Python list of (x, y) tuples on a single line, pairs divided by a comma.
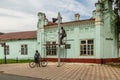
[(87, 47), (24, 49), (50, 48), (7, 50)]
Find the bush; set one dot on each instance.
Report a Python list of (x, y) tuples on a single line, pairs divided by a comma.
[(119, 59)]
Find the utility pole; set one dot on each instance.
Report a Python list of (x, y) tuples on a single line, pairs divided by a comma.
[(59, 39)]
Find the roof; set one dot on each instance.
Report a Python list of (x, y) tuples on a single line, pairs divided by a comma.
[(32, 34), (51, 23), (71, 22), (18, 35)]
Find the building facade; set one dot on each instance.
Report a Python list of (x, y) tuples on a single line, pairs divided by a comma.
[(18, 45), (94, 40)]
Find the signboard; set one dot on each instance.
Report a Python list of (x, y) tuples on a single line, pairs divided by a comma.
[(67, 46), (109, 38)]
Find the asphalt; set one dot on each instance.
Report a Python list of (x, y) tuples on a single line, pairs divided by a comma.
[(16, 77), (67, 71)]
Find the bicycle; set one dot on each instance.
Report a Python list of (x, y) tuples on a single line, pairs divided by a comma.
[(43, 63)]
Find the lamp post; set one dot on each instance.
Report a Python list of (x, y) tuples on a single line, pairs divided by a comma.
[(4, 45), (59, 20), (5, 54), (59, 39)]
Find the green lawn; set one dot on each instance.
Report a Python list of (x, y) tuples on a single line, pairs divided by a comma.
[(2, 61)]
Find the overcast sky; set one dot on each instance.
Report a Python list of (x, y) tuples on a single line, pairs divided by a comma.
[(21, 15)]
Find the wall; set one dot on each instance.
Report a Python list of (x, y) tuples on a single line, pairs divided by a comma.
[(75, 33), (106, 37), (110, 43), (15, 49)]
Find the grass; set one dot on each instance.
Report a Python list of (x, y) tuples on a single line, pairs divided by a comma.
[(2, 61)]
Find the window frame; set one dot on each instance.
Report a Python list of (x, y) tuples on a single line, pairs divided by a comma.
[(7, 50), (87, 49), (24, 49), (51, 50)]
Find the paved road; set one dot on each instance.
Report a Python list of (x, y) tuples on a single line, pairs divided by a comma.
[(14, 77), (67, 71)]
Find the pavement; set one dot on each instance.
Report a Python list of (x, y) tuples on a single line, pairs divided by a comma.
[(67, 71)]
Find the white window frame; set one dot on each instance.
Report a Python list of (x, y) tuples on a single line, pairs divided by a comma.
[(85, 50)]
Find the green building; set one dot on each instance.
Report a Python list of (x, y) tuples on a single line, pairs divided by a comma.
[(21, 45), (94, 40)]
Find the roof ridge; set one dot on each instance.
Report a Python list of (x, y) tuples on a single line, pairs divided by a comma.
[(20, 32)]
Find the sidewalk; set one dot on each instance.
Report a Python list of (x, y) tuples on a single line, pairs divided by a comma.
[(68, 71)]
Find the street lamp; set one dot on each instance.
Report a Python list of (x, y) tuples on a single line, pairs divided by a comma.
[(4, 45)]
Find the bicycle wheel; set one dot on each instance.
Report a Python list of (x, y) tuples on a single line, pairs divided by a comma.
[(32, 64), (44, 63)]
